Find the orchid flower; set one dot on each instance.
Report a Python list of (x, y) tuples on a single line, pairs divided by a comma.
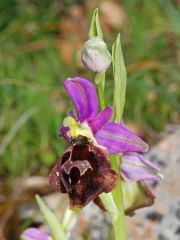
[(34, 234), (84, 171), (116, 138)]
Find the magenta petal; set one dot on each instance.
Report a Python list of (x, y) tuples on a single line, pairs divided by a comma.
[(135, 167), (34, 234), (83, 95), (63, 133), (71, 114), (101, 119), (118, 139)]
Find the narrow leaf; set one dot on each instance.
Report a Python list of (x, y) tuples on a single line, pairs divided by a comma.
[(52, 221), (120, 79), (16, 128), (95, 27)]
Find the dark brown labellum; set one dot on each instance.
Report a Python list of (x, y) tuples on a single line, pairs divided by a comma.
[(83, 172)]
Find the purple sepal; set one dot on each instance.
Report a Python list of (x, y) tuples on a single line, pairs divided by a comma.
[(63, 133), (102, 118), (135, 167), (118, 139), (71, 114), (83, 96), (34, 234)]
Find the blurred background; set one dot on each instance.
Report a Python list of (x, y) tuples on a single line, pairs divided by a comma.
[(40, 43)]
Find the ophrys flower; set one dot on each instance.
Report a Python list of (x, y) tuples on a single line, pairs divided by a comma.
[(84, 171)]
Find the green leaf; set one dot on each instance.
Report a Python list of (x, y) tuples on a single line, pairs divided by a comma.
[(16, 128), (95, 27), (120, 78), (52, 221), (119, 72), (173, 14)]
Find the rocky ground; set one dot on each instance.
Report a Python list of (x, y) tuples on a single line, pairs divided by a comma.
[(162, 221)]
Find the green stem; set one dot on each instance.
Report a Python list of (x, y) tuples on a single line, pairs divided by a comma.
[(100, 80), (108, 202), (68, 220), (113, 201), (118, 223)]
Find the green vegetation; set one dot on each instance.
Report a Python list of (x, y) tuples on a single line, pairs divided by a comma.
[(33, 102)]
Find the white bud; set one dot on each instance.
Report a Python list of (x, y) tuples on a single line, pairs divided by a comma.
[(95, 55)]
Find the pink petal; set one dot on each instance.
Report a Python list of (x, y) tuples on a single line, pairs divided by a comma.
[(135, 167), (101, 119), (83, 96), (34, 234), (118, 139)]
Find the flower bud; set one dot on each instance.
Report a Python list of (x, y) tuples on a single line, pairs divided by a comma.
[(95, 55)]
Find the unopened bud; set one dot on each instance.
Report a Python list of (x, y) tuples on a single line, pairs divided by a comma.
[(95, 55)]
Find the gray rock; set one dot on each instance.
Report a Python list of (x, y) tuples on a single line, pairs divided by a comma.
[(170, 226), (160, 221)]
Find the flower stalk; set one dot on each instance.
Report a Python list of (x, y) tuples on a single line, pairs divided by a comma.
[(68, 220), (119, 225), (100, 82), (119, 72)]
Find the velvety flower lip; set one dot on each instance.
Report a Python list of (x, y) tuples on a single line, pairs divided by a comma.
[(116, 138), (83, 172), (135, 167), (34, 234)]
